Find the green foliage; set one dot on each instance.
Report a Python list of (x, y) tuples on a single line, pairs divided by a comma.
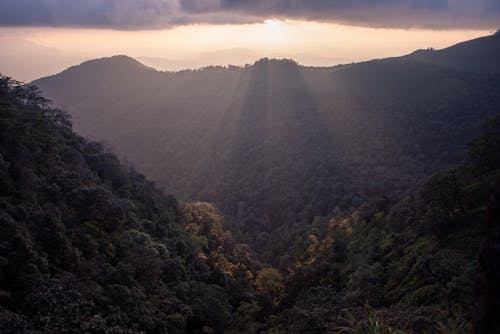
[(373, 323), (269, 281)]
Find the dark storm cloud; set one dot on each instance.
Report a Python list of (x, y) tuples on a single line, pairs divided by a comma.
[(147, 14), (98, 13), (380, 13)]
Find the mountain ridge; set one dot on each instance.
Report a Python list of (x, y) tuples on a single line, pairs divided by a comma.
[(476, 55), (424, 55)]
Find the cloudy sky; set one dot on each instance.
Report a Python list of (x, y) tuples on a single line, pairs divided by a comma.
[(173, 34)]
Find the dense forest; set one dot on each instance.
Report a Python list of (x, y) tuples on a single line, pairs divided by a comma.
[(274, 145), (88, 245)]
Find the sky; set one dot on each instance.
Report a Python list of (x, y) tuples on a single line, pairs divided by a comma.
[(43, 37)]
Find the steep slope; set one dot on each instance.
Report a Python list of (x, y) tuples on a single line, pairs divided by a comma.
[(276, 144), (88, 245)]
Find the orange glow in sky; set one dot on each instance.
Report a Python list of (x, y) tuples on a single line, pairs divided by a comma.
[(271, 36)]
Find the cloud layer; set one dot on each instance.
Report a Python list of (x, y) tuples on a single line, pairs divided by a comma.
[(154, 14)]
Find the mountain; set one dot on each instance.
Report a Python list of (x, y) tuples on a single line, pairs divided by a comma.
[(275, 144)]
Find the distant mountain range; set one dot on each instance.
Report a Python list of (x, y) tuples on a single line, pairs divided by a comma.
[(26, 60), (276, 144)]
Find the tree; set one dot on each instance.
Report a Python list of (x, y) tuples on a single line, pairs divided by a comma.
[(269, 282), (445, 191), (483, 154)]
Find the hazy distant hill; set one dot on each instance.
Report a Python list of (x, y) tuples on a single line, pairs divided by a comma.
[(275, 144), (17, 59), (236, 56)]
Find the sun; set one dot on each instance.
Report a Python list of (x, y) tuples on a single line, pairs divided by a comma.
[(274, 32), (272, 22)]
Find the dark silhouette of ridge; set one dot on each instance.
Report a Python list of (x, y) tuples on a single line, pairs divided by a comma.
[(480, 54)]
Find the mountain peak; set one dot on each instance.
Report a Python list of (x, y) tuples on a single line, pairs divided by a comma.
[(117, 60), (120, 65)]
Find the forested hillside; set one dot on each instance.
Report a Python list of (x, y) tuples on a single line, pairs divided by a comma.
[(275, 144), (418, 264), (88, 245)]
